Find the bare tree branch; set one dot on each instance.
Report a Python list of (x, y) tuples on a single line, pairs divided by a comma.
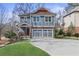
[(3, 18)]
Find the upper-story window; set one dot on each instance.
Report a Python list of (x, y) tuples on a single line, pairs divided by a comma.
[(28, 17), (34, 19), (37, 18), (46, 19), (22, 17), (42, 16), (25, 21), (49, 19)]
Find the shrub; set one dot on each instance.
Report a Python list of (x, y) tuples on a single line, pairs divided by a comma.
[(76, 34), (68, 33), (60, 32), (55, 32), (70, 30), (59, 36), (10, 34)]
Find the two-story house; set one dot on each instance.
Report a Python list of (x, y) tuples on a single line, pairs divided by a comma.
[(72, 17), (38, 24)]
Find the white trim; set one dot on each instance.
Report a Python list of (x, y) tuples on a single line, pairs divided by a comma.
[(52, 33), (43, 26), (42, 32)]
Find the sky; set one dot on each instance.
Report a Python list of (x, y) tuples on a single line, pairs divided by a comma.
[(54, 7)]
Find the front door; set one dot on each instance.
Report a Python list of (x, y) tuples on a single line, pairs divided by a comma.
[(27, 33)]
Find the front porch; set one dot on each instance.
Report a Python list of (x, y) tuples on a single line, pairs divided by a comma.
[(26, 32)]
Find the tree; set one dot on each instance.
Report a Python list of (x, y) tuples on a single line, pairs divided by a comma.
[(20, 8), (55, 32), (70, 29), (61, 32), (3, 18), (24, 8), (71, 6)]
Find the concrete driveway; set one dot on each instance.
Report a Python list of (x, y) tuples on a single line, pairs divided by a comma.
[(58, 47)]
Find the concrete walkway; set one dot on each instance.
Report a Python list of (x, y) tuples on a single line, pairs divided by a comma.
[(58, 47)]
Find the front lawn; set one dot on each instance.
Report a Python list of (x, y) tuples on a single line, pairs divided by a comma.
[(22, 49)]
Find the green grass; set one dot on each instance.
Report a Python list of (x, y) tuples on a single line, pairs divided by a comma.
[(22, 49)]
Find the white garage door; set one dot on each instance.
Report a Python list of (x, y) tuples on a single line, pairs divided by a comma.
[(42, 33)]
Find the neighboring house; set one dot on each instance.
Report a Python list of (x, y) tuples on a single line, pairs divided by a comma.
[(38, 24), (72, 17)]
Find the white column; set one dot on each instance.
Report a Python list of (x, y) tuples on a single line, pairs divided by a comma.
[(52, 33), (36, 20), (24, 20), (47, 32), (42, 32), (31, 20), (51, 21), (40, 20)]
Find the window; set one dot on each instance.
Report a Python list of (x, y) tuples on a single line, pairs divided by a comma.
[(52, 18), (38, 21), (49, 19), (27, 21), (37, 18), (46, 19), (22, 17), (28, 17), (34, 18), (42, 16)]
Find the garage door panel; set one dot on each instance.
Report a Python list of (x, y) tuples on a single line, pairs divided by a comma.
[(49, 33), (42, 33)]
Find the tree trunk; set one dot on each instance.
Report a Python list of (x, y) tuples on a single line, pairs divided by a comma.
[(0, 34)]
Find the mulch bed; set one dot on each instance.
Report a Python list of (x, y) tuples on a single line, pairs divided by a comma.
[(3, 42)]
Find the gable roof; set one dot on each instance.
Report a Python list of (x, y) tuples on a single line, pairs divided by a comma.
[(41, 11)]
